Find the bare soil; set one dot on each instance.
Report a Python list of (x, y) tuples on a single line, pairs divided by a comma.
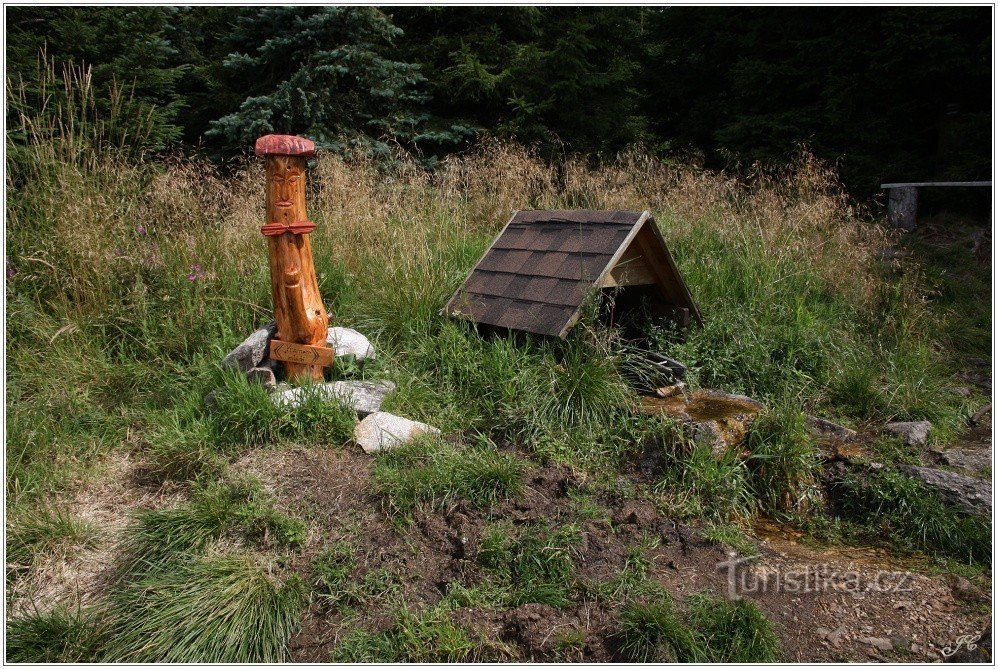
[(861, 604)]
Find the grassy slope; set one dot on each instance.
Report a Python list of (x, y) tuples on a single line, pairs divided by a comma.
[(128, 280)]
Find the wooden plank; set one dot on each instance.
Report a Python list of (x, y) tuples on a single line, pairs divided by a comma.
[(631, 271), (946, 184), (302, 354), (670, 280)]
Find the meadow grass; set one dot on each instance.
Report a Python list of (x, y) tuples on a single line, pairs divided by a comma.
[(128, 278), (209, 609), (424, 636), (43, 532), (59, 635), (535, 564), (711, 629), (889, 506), (429, 473), (237, 509)]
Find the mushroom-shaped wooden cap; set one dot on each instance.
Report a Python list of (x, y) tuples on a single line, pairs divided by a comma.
[(284, 145)]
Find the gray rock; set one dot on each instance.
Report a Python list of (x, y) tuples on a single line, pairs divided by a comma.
[(966, 591), (364, 397), (961, 391), (980, 414), (833, 637), (972, 494), (381, 431), (891, 254), (970, 459), (347, 341), (262, 375), (877, 642), (824, 429), (915, 433), (252, 351)]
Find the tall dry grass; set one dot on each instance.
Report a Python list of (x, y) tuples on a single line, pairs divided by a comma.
[(127, 274)]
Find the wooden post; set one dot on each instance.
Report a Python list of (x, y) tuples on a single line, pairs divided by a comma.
[(902, 206), (298, 309)]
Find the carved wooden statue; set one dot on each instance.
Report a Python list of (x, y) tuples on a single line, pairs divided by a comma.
[(301, 317)]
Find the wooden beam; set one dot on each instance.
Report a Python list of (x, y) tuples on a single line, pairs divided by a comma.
[(946, 184), (671, 281)]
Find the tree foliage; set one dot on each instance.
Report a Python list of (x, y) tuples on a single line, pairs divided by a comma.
[(888, 92)]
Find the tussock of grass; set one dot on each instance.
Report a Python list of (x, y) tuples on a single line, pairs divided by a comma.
[(517, 389), (632, 581), (731, 535), (784, 464), (57, 636), (711, 630), (217, 609), (895, 507), (334, 572), (534, 564), (426, 636), (44, 531), (699, 483), (431, 473), (238, 509)]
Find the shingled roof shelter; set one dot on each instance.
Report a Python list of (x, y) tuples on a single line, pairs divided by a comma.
[(536, 274)]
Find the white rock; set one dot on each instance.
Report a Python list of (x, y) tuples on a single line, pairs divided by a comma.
[(364, 397), (381, 431), (347, 341)]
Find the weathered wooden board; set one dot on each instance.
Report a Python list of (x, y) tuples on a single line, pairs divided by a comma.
[(302, 354)]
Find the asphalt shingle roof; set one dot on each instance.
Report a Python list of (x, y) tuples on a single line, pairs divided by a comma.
[(536, 274)]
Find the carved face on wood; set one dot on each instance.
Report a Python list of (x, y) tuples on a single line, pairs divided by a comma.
[(286, 187)]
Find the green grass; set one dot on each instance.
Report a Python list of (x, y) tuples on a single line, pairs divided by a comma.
[(44, 532), (424, 636), (57, 636), (209, 609), (632, 581), (237, 509), (430, 473), (891, 507), (733, 536), (699, 483), (710, 630), (784, 464), (337, 584), (534, 564)]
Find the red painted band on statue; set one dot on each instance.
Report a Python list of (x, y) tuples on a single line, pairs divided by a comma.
[(279, 228), (284, 145)]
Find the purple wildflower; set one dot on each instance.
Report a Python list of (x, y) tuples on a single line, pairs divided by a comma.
[(141, 229), (195, 273)]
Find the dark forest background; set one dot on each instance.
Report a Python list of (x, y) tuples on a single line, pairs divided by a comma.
[(888, 94)]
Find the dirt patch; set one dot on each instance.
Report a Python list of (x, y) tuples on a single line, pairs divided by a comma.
[(78, 574), (859, 604), (840, 617)]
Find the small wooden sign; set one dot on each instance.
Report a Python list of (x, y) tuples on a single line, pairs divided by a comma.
[(303, 354)]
